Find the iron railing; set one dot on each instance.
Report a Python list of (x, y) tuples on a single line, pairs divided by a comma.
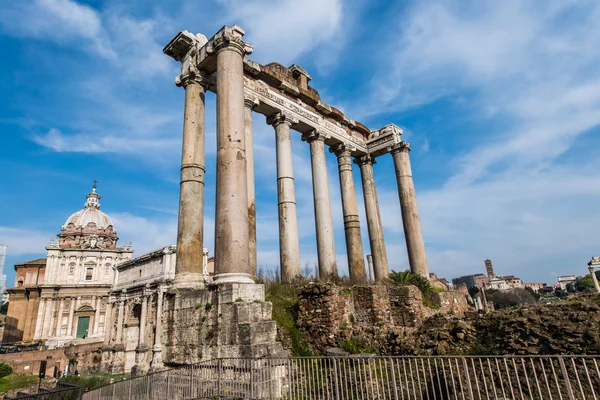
[(63, 391), (356, 377)]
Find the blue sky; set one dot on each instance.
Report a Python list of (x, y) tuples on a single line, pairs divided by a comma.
[(500, 101)]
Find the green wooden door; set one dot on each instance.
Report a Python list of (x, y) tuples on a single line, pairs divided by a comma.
[(83, 324)]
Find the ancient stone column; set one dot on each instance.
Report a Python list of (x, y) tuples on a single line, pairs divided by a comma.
[(594, 279), (232, 250), (249, 103), (59, 316), (354, 249), (157, 348), (371, 268), (39, 323), (143, 314), (190, 229), (108, 322), (415, 244), (289, 245), (96, 315), (71, 314), (119, 338), (49, 318), (323, 220), (380, 261)]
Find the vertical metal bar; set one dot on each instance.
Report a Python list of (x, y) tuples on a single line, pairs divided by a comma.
[(537, 382), (335, 379), (394, 384), (546, 378), (462, 391), (437, 373), (219, 373), (412, 378), (577, 376), (587, 373), (129, 393), (509, 380), (482, 368), (517, 375), (476, 380), (530, 393), (431, 378), (467, 378), (566, 377), (558, 386), (425, 378)]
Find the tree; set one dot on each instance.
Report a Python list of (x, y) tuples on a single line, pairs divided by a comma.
[(510, 298), (5, 370), (533, 293), (584, 284)]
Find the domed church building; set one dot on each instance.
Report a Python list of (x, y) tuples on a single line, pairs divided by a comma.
[(78, 277)]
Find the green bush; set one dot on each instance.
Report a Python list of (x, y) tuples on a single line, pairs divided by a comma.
[(406, 278), (5, 370)]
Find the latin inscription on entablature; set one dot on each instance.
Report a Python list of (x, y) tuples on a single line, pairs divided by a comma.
[(269, 96)]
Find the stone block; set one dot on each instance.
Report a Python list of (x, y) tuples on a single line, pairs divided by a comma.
[(236, 292)]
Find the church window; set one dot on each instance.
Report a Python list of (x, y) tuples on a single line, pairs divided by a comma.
[(89, 272), (20, 282)]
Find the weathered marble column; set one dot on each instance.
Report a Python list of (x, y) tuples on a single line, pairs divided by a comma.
[(190, 229), (108, 322), (354, 249), (289, 245), (97, 315), (371, 268), (39, 324), (59, 316), (157, 362), (119, 338), (594, 279), (380, 261), (232, 250), (143, 314), (323, 220), (415, 244), (71, 314), (249, 103)]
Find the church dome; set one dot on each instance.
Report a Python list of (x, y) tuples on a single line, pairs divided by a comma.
[(89, 228), (90, 213)]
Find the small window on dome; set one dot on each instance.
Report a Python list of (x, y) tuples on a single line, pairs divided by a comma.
[(89, 272)]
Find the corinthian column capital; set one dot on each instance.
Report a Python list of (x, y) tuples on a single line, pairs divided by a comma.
[(364, 160), (250, 101), (230, 38), (281, 118), (402, 146), (340, 150), (313, 135), (191, 75)]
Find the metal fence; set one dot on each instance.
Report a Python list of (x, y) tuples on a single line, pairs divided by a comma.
[(356, 377), (63, 391)]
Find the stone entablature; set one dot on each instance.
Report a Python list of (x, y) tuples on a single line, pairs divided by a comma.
[(158, 265)]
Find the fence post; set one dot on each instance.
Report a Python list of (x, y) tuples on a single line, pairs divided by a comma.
[(335, 380), (129, 394), (113, 391), (565, 373), (289, 372), (251, 379), (468, 378), (219, 372), (192, 393), (168, 385), (148, 377), (394, 383)]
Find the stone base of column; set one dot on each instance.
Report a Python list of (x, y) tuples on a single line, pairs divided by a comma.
[(188, 280), (225, 320), (157, 362), (113, 359), (141, 363), (235, 277)]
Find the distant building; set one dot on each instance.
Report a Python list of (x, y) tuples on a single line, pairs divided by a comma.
[(564, 280), (535, 286), (498, 283), (489, 268), (478, 280), (513, 281)]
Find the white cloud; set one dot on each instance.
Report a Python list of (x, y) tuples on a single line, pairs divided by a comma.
[(21, 241), (281, 31)]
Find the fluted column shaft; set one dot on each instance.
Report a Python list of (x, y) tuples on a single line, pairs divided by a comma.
[(249, 104), (190, 229), (119, 338), (40, 320), (108, 322), (415, 244), (157, 348), (231, 220), (59, 316), (380, 261), (71, 314), (289, 246), (323, 220), (354, 249), (143, 314), (97, 315)]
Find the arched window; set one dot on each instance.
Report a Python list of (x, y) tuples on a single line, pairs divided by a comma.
[(20, 282)]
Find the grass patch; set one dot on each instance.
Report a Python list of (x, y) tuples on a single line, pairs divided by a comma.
[(17, 382), (285, 311), (92, 381)]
